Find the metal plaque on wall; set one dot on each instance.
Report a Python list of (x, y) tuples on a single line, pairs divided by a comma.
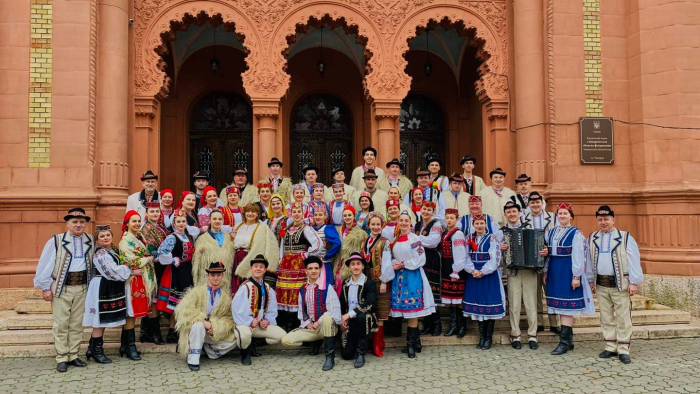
[(597, 146)]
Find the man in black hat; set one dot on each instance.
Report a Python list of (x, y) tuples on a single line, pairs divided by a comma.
[(136, 202), (473, 184), (254, 310), (204, 319), (338, 175), (523, 188), (394, 177), (200, 180), (494, 198), (379, 197), (62, 274), (357, 301), (281, 185), (614, 274), (319, 313), (248, 193), (369, 155), (538, 218)]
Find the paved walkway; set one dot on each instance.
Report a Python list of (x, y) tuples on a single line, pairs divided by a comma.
[(663, 366)]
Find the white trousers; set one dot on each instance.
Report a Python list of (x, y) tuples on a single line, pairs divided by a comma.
[(199, 340)]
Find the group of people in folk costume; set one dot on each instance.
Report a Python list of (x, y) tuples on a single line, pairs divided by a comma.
[(287, 263)]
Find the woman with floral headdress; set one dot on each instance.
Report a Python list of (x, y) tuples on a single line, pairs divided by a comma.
[(372, 250), (140, 289), (563, 274), (233, 214), (352, 238), (106, 285)]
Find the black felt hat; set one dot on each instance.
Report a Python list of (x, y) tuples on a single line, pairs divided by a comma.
[(76, 213), (259, 259), (313, 260), (355, 256)]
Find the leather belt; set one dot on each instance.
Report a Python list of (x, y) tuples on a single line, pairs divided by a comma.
[(76, 278), (606, 281)]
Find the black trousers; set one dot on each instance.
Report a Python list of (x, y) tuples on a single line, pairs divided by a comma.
[(357, 329)]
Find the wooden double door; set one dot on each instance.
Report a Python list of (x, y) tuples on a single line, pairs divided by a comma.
[(321, 135), (221, 137), (422, 129)]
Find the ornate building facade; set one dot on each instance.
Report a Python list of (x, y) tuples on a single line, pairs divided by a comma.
[(93, 93)]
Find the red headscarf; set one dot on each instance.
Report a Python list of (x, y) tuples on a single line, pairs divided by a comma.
[(203, 199), (164, 191), (182, 197), (128, 216)]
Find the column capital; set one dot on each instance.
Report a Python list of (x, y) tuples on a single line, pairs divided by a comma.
[(146, 106), (386, 109), (266, 108), (496, 109)]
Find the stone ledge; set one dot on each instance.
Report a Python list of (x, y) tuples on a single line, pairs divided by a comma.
[(678, 292)]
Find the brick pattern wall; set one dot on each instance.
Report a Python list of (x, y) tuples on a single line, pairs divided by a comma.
[(592, 58), (40, 68)]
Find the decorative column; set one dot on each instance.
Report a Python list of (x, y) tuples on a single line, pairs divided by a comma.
[(265, 136), (112, 103), (387, 113), (145, 148), (530, 97)]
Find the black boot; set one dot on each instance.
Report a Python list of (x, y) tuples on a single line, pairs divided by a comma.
[(122, 347), (570, 338), (462, 323), (453, 323), (411, 337), (417, 345), (245, 357), (253, 351), (437, 324), (361, 350), (482, 334), (131, 352), (564, 338), (172, 336), (428, 323), (155, 327), (146, 330), (316, 347), (329, 343), (397, 326), (488, 336), (96, 351)]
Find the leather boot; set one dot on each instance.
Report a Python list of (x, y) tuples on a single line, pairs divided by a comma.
[(482, 334), (146, 330), (155, 327), (428, 323), (329, 343), (397, 326), (96, 351), (316, 347), (378, 348), (437, 324), (253, 351), (453, 323), (462, 323), (172, 336), (570, 338), (488, 335), (361, 351), (564, 339), (131, 352), (122, 347), (245, 357), (417, 345), (411, 336)]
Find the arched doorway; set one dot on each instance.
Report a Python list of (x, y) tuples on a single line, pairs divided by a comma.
[(321, 134), (221, 136), (422, 127)]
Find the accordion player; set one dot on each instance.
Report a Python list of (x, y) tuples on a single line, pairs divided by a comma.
[(524, 245)]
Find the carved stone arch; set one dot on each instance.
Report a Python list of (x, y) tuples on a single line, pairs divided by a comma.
[(267, 78), (485, 20), (159, 21)]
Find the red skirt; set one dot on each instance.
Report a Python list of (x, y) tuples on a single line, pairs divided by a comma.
[(291, 275), (235, 279), (139, 300), (164, 290)]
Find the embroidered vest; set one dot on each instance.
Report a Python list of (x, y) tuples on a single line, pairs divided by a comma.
[(467, 228), (255, 294), (565, 245), (481, 254), (319, 298), (183, 250), (618, 254), (63, 244), (425, 230), (547, 221), (296, 242), (446, 243)]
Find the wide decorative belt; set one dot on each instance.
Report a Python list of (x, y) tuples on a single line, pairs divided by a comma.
[(76, 278), (606, 281)]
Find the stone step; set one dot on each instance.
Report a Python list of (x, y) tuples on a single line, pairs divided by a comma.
[(35, 305), (691, 330)]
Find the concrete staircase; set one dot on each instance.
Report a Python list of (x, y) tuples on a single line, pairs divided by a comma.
[(26, 330)]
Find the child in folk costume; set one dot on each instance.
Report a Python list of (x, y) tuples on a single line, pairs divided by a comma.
[(152, 234), (176, 253), (258, 239), (212, 245), (429, 233), (233, 214), (372, 251), (204, 320), (484, 298), (207, 204), (563, 273), (106, 301), (453, 248), (254, 310), (352, 237), (411, 297), (140, 290), (297, 242)]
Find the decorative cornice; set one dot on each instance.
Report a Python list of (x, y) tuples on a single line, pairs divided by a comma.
[(266, 108)]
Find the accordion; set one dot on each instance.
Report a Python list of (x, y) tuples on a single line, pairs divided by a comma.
[(524, 245)]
